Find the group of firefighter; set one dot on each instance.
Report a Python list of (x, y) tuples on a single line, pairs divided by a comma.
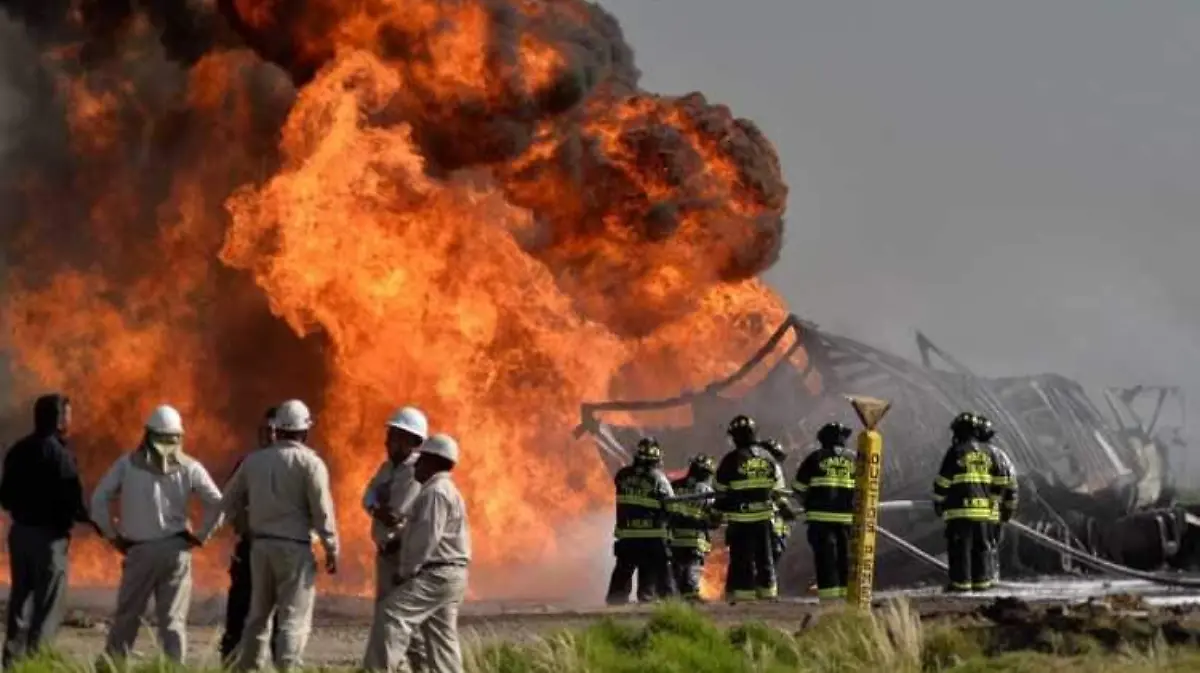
[(664, 529)]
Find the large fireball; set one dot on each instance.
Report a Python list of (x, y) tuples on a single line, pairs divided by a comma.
[(467, 205)]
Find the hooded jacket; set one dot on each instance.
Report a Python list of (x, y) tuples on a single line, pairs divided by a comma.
[(40, 485)]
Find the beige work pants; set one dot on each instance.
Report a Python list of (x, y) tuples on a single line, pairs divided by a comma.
[(427, 603), (376, 656), (161, 570), (282, 583)]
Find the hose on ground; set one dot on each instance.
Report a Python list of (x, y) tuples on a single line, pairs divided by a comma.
[(1085, 558)]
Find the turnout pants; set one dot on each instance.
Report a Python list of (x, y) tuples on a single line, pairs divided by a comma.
[(830, 544), (162, 570), (650, 559), (687, 566), (376, 656), (37, 559), (283, 577), (751, 572), (237, 605), (969, 554), (427, 603)]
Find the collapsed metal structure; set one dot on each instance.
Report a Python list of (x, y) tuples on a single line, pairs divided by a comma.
[(1099, 482)]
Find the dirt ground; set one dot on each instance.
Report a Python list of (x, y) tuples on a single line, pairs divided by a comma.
[(340, 626)]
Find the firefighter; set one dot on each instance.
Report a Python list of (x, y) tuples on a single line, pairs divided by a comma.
[(285, 491), (238, 603), (746, 486), (1004, 493), (692, 522), (641, 532), (152, 485), (431, 580), (825, 486), (388, 499), (784, 515), (962, 496)]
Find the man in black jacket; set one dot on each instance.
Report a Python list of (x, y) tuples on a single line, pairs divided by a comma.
[(237, 605), (41, 491)]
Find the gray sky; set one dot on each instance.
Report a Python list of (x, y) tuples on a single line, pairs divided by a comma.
[(1018, 178)]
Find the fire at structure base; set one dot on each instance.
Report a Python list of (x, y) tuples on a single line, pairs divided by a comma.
[(1098, 481)]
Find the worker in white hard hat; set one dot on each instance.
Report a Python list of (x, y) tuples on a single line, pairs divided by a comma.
[(388, 498), (435, 550), (152, 485), (284, 489)]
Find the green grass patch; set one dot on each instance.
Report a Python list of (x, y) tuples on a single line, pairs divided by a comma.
[(680, 639)]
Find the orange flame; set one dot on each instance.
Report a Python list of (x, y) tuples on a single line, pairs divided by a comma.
[(428, 219)]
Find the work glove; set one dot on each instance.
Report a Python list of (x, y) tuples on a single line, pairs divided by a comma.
[(331, 564), (1006, 514), (121, 544), (937, 508), (390, 547)]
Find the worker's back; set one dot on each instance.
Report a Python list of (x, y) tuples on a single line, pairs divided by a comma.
[(287, 492)]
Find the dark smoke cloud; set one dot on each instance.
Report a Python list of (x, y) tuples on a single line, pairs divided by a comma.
[(644, 187)]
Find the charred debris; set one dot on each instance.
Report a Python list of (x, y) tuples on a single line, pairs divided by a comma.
[(1097, 474)]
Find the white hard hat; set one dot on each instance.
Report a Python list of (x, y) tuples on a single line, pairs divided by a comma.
[(293, 416), (165, 420), (410, 420), (443, 446)]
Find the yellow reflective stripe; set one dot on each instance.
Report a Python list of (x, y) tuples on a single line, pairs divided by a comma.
[(941, 482), (832, 592), (797, 486), (686, 510), (937, 497), (720, 487), (972, 478), (640, 533), (748, 517), (974, 513), (743, 594), (833, 482), (752, 484), (638, 501), (769, 592), (830, 517), (699, 545), (982, 586)]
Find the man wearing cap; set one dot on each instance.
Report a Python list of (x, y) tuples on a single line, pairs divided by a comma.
[(152, 486), (388, 499), (284, 489), (435, 550)]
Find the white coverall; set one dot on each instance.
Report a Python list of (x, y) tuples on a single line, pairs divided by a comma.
[(152, 494), (393, 488), (434, 554), (285, 490)]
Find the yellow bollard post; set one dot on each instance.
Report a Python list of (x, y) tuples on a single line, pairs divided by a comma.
[(866, 498)]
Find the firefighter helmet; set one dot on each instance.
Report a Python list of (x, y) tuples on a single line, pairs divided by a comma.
[(963, 425), (742, 430), (648, 451), (702, 464), (984, 430), (834, 434)]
